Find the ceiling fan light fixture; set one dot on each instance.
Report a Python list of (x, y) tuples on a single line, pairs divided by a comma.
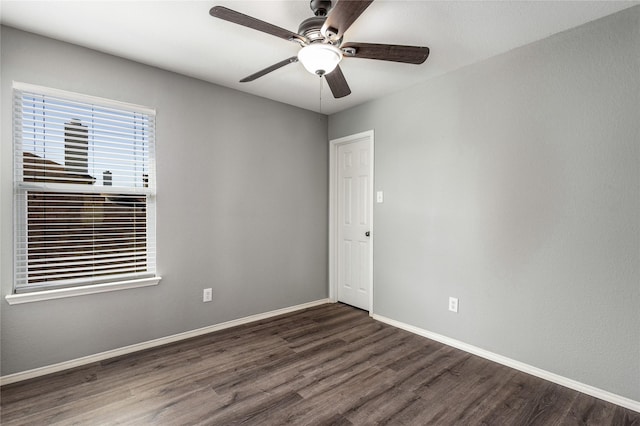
[(320, 58)]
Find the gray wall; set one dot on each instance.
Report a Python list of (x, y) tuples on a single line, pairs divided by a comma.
[(241, 207), (514, 185)]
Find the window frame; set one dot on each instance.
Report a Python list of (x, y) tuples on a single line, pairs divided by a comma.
[(35, 292)]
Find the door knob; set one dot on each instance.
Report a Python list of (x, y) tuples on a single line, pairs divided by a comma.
[(367, 234)]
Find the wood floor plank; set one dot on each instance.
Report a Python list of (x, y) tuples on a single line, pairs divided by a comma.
[(624, 417), (587, 411), (548, 404), (42, 386), (383, 407), (326, 365), (60, 410)]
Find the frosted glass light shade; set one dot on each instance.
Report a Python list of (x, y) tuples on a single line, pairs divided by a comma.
[(320, 58)]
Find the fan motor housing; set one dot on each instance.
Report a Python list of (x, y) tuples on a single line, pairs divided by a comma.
[(311, 29)]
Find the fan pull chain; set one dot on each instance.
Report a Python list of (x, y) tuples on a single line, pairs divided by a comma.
[(320, 109)]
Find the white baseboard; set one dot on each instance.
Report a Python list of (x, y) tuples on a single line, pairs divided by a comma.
[(534, 371), (36, 372)]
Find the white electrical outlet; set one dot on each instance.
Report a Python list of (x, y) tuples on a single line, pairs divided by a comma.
[(207, 295), (453, 304)]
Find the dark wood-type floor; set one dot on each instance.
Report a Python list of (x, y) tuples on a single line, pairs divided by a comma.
[(328, 365)]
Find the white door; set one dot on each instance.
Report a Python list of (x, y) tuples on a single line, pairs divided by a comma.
[(353, 223)]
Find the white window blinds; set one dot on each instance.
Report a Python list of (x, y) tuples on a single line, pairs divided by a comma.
[(84, 189)]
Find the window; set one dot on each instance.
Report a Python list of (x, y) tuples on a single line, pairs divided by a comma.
[(84, 190)]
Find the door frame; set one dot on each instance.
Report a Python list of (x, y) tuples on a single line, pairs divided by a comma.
[(333, 211)]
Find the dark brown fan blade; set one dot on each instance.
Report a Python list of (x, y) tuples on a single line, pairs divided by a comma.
[(337, 83), (256, 24), (386, 52), (269, 69), (343, 14)]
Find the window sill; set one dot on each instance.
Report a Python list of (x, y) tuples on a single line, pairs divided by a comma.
[(38, 296)]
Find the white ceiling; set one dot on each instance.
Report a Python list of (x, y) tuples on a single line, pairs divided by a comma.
[(181, 36)]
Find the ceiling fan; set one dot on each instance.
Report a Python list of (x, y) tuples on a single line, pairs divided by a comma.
[(320, 38)]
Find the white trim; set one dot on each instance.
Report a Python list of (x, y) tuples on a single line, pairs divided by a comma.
[(78, 362), (59, 293), (333, 204), (521, 366), (78, 188), (79, 97)]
